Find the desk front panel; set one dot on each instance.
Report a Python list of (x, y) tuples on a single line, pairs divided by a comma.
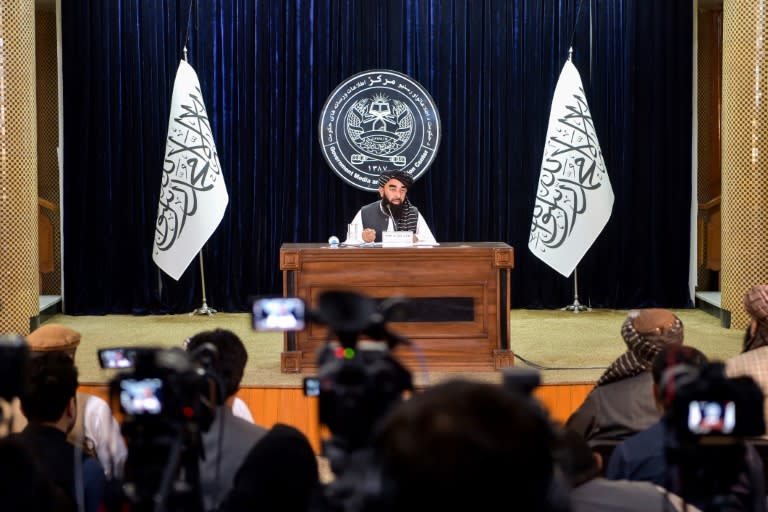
[(454, 293)]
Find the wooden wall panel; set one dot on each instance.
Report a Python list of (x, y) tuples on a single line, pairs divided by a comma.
[(290, 406)]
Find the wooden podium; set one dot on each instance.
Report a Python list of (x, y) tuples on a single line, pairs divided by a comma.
[(457, 315)]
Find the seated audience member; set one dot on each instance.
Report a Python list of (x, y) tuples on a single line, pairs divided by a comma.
[(645, 456), (95, 427), (239, 407), (621, 403), (51, 410), (23, 485), (592, 493), (229, 438), (642, 456), (753, 360), (464, 446), (279, 473)]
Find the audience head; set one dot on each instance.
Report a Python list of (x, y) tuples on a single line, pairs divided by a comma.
[(232, 357), (456, 445), (756, 305), (53, 338), (279, 473), (51, 389), (645, 333), (671, 369), (577, 460)]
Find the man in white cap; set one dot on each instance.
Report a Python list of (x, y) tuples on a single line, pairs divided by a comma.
[(95, 427)]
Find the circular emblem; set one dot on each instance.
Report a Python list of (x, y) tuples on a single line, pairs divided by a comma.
[(376, 121)]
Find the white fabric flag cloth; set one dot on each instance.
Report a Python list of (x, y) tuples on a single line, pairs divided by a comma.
[(574, 197), (193, 195)]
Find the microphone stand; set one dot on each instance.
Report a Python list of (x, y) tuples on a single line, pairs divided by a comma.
[(576, 307)]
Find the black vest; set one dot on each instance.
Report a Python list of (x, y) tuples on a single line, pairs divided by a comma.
[(374, 218)]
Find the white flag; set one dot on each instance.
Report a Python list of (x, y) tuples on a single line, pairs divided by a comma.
[(574, 197), (193, 195)]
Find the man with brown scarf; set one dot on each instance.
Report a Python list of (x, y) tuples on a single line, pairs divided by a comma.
[(753, 360), (393, 212), (622, 403)]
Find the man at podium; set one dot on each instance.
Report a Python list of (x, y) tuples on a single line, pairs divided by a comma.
[(393, 212)]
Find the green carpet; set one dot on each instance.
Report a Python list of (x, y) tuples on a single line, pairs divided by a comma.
[(571, 347)]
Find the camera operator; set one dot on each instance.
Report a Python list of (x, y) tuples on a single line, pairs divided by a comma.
[(229, 438), (51, 409)]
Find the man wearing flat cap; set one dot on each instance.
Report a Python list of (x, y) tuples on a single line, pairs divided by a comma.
[(393, 212), (622, 403), (95, 427), (753, 360)]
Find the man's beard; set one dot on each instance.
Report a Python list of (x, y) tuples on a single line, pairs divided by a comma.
[(395, 209)]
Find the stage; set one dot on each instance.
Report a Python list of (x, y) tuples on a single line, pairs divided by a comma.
[(572, 348)]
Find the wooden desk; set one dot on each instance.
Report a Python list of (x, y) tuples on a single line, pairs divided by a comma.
[(458, 312)]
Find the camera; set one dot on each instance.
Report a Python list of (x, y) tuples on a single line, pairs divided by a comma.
[(713, 405), (709, 420), (168, 397), (14, 362), (357, 384)]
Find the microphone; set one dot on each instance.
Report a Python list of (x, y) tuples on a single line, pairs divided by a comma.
[(394, 222)]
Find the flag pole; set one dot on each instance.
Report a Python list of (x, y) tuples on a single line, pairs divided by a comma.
[(577, 306), (204, 309)]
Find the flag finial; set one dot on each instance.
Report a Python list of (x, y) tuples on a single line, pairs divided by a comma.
[(185, 53), (570, 52)]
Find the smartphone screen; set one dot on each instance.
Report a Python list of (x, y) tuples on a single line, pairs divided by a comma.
[(278, 314), (141, 396)]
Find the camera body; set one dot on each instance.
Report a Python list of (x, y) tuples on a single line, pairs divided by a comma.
[(712, 405), (358, 380), (168, 397), (162, 386), (709, 419), (14, 364)]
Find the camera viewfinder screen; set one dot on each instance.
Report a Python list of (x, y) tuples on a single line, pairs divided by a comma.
[(143, 396), (706, 417), (116, 358), (278, 314)]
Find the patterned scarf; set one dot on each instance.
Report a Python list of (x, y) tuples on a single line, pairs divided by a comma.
[(406, 217), (657, 328), (756, 304)]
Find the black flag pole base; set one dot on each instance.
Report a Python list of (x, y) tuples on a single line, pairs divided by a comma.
[(203, 310), (576, 307)]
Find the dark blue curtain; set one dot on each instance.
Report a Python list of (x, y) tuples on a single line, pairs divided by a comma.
[(266, 68)]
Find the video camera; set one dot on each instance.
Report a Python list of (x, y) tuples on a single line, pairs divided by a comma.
[(14, 364), (358, 380), (709, 418), (711, 405), (168, 398)]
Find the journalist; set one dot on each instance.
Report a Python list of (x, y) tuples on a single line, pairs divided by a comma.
[(229, 438)]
